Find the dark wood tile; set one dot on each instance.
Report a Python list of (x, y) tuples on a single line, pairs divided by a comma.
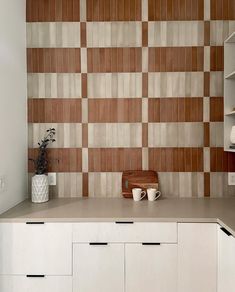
[(84, 85), (60, 159), (167, 10), (176, 159), (113, 10), (206, 134), (83, 34), (176, 59), (145, 84), (206, 184), (222, 10), (216, 109), (52, 10), (85, 185), (54, 110), (51, 60), (206, 33), (114, 159), (114, 60), (145, 34), (217, 58), (207, 84), (115, 110), (175, 109), (144, 134)]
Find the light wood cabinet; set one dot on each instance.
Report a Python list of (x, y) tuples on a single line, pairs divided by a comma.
[(98, 267), (125, 232), (226, 261), (151, 267), (35, 249), (197, 255), (104, 257), (35, 284)]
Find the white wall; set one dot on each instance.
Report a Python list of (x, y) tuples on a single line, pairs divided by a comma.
[(13, 126)]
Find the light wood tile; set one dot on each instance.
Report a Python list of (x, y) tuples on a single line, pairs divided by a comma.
[(176, 33), (115, 135)]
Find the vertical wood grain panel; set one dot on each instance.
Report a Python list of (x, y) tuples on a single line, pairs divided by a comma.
[(113, 10), (49, 60), (52, 10)]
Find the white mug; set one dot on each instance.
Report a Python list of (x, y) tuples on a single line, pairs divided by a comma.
[(153, 194), (138, 194)]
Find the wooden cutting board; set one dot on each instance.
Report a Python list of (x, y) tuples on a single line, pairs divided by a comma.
[(138, 179)]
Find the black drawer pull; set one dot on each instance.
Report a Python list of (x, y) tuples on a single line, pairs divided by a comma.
[(36, 223), (35, 276), (226, 231), (151, 243), (98, 243), (124, 222)]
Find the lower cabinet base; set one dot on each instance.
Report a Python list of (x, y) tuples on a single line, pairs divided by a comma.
[(98, 268), (34, 284), (151, 268)]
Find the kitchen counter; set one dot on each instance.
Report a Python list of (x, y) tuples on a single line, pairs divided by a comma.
[(215, 210)]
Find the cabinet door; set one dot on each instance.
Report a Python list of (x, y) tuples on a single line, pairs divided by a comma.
[(35, 249), (45, 284), (98, 268), (151, 268), (197, 252), (226, 265)]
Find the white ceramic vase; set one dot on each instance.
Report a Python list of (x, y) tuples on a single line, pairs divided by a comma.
[(232, 135), (40, 188)]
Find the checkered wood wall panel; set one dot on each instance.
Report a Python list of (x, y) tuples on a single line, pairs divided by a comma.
[(130, 84)]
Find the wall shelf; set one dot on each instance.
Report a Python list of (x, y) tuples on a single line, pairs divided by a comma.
[(230, 76), (231, 38), (229, 89), (229, 150), (230, 114)]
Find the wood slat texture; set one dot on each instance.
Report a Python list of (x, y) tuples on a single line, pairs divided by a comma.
[(115, 110), (147, 93), (176, 159), (167, 10), (216, 109), (56, 110), (114, 60), (113, 10), (114, 159), (60, 159), (51, 60), (221, 161), (175, 109), (217, 58), (176, 59), (222, 9), (52, 10)]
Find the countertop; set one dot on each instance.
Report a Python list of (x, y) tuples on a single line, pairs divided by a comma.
[(214, 210)]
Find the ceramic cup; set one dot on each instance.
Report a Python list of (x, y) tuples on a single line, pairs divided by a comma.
[(138, 194), (153, 194)]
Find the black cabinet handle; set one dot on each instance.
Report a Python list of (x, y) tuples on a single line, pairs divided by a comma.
[(124, 222), (35, 276), (225, 231), (151, 243), (36, 223), (98, 243)]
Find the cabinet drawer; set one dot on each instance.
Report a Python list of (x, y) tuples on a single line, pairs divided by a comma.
[(39, 249), (98, 268), (45, 284), (136, 232), (151, 268)]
